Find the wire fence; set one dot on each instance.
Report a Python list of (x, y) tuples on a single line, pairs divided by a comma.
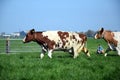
[(17, 46)]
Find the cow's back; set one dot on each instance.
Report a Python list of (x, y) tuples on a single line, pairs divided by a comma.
[(52, 35)]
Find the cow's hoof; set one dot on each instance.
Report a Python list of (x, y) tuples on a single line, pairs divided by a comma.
[(88, 54), (74, 57), (50, 56), (118, 54), (105, 54), (41, 56)]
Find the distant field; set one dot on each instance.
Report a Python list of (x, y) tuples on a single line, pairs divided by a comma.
[(28, 66)]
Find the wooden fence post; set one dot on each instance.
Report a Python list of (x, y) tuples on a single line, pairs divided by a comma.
[(7, 45)]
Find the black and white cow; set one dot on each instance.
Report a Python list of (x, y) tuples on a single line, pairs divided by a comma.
[(52, 40)]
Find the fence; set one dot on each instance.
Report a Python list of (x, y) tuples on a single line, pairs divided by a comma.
[(17, 46)]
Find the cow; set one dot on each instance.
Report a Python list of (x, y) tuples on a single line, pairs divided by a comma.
[(112, 39), (58, 40)]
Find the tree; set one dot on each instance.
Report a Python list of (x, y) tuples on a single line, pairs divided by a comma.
[(22, 34), (90, 33)]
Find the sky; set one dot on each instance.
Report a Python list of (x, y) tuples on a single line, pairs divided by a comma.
[(65, 15)]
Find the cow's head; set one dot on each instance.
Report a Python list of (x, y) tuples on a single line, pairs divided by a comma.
[(29, 36), (99, 34)]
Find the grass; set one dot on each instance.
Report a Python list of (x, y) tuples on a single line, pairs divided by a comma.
[(28, 65)]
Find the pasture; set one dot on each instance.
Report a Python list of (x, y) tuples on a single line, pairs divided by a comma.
[(28, 65)]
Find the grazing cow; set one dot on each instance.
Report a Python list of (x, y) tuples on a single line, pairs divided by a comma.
[(112, 38), (52, 40)]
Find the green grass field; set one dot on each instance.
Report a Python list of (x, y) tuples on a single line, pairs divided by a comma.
[(28, 65)]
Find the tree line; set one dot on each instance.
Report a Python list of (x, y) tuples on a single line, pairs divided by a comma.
[(90, 33)]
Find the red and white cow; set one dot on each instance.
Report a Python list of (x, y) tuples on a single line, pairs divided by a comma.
[(112, 38), (52, 40)]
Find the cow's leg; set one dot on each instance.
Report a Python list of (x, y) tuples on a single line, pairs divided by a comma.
[(50, 53), (118, 50), (75, 53), (85, 50), (106, 52), (43, 52), (111, 47), (77, 50), (80, 48), (41, 55)]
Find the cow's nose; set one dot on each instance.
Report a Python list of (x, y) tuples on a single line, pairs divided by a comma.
[(23, 40), (95, 37)]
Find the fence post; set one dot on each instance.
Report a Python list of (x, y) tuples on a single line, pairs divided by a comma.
[(7, 45)]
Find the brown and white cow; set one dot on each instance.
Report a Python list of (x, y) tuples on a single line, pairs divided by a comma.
[(52, 40), (112, 38)]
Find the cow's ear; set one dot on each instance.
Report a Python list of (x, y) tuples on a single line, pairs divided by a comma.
[(101, 30), (32, 31)]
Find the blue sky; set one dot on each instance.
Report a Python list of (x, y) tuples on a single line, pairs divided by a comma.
[(66, 15)]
